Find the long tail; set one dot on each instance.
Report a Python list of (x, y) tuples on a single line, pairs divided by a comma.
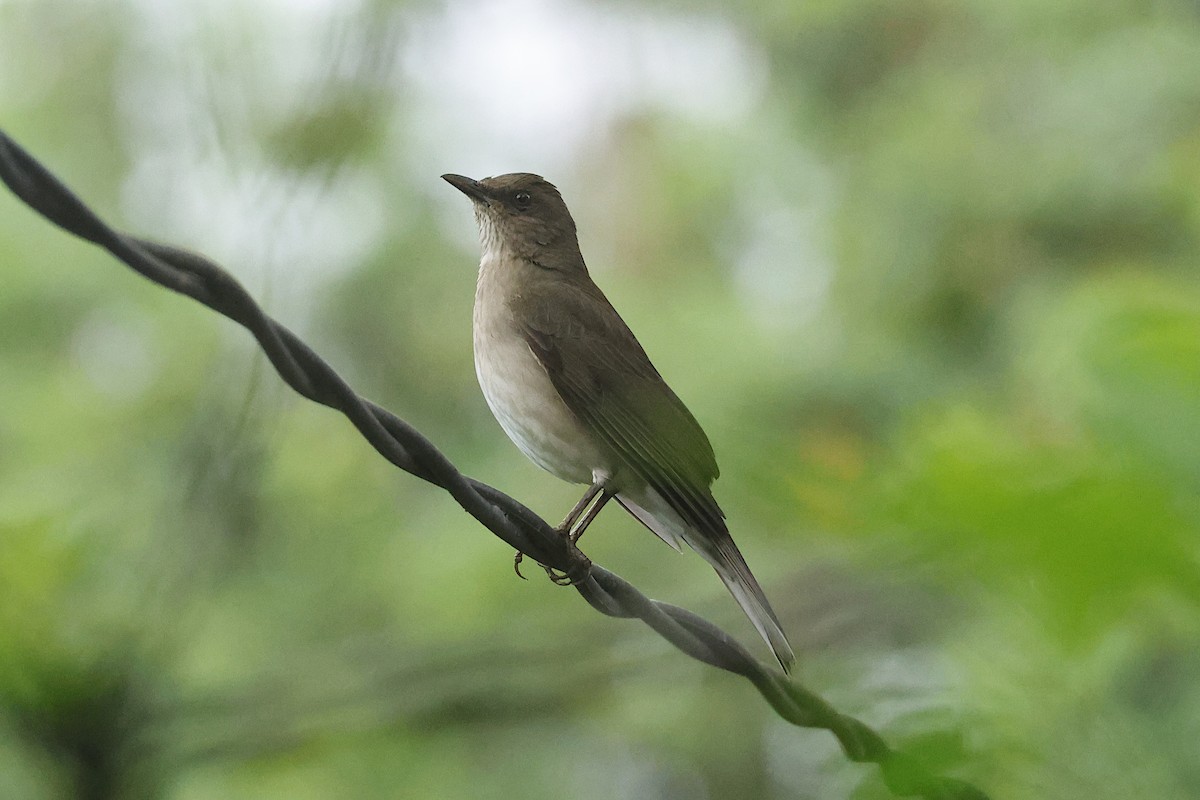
[(733, 571), (718, 550)]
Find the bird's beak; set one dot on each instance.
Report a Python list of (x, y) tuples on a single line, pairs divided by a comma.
[(468, 186)]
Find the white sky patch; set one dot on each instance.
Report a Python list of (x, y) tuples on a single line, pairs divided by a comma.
[(782, 271), (116, 355), (508, 85), (482, 87), (782, 261), (199, 178)]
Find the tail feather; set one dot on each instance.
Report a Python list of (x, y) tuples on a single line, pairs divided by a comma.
[(733, 571), (664, 532), (723, 555)]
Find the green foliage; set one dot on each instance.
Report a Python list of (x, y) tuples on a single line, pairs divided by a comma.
[(927, 279)]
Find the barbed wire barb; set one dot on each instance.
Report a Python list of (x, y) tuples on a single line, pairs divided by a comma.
[(308, 374)]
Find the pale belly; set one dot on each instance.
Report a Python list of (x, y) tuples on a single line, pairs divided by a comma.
[(528, 408)]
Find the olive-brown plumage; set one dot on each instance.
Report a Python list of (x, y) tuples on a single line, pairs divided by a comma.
[(573, 388)]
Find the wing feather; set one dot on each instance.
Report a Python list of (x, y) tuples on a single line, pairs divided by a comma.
[(605, 378)]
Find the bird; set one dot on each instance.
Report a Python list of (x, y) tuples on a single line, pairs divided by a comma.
[(575, 391)]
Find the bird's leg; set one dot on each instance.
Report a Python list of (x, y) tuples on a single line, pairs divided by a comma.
[(605, 496), (569, 522), (565, 527)]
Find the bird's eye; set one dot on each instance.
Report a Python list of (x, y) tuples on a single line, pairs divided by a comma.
[(522, 199)]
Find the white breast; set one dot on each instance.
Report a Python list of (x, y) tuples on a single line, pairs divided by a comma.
[(520, 393)]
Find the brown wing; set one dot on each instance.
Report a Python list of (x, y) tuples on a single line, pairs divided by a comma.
[(606, 379)]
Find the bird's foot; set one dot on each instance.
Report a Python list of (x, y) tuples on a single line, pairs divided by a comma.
[(559, 578), (556, 577)]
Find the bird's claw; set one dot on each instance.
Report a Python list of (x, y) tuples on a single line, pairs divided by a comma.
[(556, 577), (559, 578)]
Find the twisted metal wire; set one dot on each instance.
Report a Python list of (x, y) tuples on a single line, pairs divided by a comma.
[(200, 279)]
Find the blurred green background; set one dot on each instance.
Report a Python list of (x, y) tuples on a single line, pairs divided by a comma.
[(926, 272)]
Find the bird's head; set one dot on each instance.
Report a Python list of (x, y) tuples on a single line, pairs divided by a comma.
[(524, 215)]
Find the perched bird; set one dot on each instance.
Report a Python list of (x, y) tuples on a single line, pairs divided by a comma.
[(575, 391)]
